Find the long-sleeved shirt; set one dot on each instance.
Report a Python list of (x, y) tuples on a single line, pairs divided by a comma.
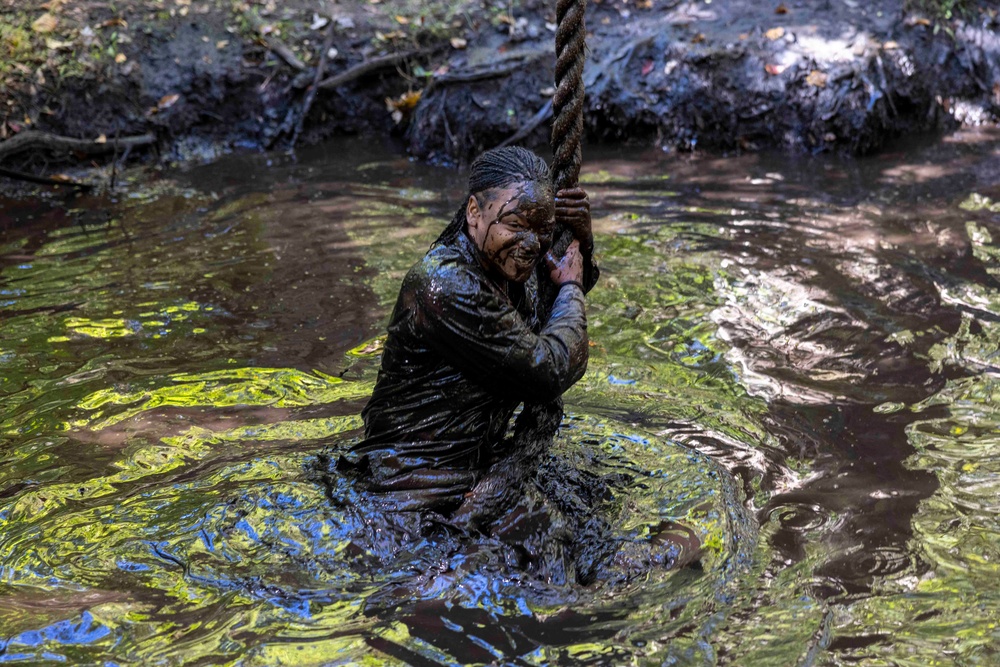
[(462, 353)]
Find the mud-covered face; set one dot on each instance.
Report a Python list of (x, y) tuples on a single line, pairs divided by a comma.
[(512, 227)]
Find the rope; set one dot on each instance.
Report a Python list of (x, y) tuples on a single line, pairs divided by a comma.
[(567, 103)]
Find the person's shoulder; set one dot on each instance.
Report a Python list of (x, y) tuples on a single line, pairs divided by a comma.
[(442, 271)]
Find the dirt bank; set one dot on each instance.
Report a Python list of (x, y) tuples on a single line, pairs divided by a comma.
[(186, 79)]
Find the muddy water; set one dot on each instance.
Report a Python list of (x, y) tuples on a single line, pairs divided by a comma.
[(797, 356)]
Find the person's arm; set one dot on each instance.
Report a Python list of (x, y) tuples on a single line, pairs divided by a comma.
[(481, 334)]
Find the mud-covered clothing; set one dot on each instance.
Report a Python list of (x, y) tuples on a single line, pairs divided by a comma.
[(461, 354)]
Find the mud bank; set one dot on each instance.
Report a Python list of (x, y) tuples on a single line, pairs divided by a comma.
[(449, 79)]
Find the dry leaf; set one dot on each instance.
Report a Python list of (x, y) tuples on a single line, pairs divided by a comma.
[(550, 91), (744, 36), (917, 20), (167, 101), (103, 139), (644, 4), (405, 102), (816, 78), (115, 23), (45, 23), (773, 69), (221, 44), (698, 39), (56, 45), (402, 20), (890, 45), (781, 9), (63, 178), (120, 58), (775, 33), (458, 43)]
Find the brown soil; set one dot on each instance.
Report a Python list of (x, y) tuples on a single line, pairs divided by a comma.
[(721, 75)]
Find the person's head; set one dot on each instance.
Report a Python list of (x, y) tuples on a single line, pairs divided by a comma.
[(510, 211)]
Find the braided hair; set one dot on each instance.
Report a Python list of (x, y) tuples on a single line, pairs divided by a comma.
[(496, 169)]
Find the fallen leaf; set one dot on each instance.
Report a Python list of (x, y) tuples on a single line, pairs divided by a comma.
[(182, 2), (917, 20), (744, 36), (103, 139), (816, 78), (781, 9), (773, 69), (647, 67), (890, 45), (56, 45), (167, 101), (406, 102), (120, 58), (402, 20), (698, 39), (45, 23), (829, 136), (458, 43), (319, 22), (115, 23), (62, 178), (547, 92), (644, 4), (775, 33), (221, 44)]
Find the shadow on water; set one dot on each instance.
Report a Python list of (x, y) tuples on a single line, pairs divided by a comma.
[(797, 356)]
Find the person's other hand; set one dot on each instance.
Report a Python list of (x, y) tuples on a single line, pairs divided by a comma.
[(573, 210), (567, 269)]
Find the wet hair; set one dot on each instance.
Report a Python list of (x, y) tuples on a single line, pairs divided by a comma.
[(497, 169)]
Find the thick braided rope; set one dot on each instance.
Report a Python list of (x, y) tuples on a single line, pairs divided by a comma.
[(567, 103)]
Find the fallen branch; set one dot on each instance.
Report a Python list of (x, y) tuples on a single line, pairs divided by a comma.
[(371, 65), (279, 48), (485, 73), (42, 180), (543, 115), (311, 93), (35, 139)]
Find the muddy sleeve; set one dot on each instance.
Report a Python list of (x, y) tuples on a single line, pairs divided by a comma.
[(480, 333)]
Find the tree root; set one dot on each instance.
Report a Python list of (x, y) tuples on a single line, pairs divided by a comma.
[(307, 102), (35, 139), (371, 65), (543, 115), (279, 48), (42, 180)]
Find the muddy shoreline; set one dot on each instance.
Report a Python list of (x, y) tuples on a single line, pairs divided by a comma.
[(204, 78)]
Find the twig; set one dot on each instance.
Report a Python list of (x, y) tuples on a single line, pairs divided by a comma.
[(35, 139), (41, 180), (311, 93), (484, 73), (359, 70), (280, 48), (543, 115)]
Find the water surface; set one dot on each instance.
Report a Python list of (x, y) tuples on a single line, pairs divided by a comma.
[(796, 355)]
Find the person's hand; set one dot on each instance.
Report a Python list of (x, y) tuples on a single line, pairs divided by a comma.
[(567, 269), (573, 210)]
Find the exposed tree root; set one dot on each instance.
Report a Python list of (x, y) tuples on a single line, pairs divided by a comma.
[(33, 139), (279, 48)]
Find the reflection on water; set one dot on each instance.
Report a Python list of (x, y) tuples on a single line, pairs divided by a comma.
[(797, 356)]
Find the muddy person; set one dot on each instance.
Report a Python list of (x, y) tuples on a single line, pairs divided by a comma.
[(488, 319)]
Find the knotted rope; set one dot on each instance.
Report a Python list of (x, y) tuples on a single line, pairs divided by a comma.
[(567, 103)]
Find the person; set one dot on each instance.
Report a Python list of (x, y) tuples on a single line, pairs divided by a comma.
[(487, 320)]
